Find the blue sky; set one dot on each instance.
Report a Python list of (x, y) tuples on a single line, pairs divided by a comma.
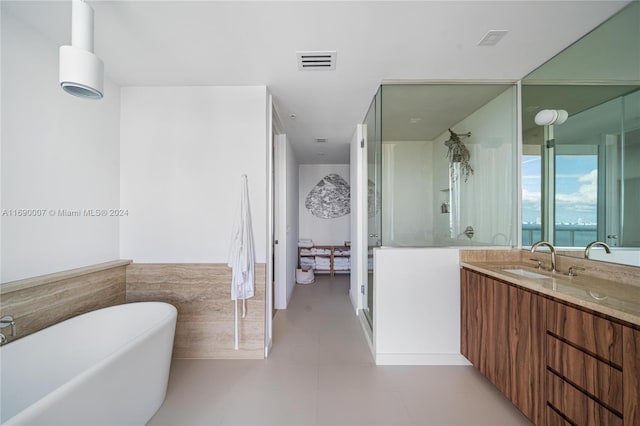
[(576, 188)]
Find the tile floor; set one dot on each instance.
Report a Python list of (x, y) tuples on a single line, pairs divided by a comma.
[(321, 372)]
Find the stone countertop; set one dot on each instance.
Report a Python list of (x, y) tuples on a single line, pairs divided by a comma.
[(616, 300)]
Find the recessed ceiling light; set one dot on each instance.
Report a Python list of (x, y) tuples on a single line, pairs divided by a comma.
[(492, 37), (292, 116), (415, 120), (319, 153)]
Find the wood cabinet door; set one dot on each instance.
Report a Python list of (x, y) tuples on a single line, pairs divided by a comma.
[(498, 319), (471, 318), (631, 376), (502, 334), (526, 336), (478, 334)]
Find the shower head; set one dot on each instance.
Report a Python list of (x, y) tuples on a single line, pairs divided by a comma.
[(81, 71)]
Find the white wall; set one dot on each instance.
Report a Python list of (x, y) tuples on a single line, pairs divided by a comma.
[(292, 218), (322, 231), (622, 255), (408, 192), (488, 199), (417, 306), (359, 189), (58, 152), (286, 210), (183, 151)]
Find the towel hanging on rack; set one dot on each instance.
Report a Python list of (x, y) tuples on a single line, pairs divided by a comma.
[(242, 257)]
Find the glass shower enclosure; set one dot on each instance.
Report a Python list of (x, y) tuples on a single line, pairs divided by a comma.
[(442, 169), (373, 124)]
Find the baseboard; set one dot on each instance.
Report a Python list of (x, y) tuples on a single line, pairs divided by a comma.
[(421, 359), (367, 332)]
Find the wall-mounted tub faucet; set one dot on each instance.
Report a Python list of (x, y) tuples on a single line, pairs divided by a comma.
[(593, 244), (3, 339), (551, 249), (7, 321)]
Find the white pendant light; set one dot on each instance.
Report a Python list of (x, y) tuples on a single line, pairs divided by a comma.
[(81, 71), (547, 117)]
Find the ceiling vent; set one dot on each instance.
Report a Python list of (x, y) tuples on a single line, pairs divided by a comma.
[(321, 140), (492, 37), (314, 61)]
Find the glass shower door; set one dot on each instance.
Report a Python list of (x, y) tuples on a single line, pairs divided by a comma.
[(374, 222)]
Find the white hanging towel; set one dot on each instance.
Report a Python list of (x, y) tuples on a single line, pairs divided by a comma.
[(242, 257)]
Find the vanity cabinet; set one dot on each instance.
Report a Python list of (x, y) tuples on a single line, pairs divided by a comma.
[(584, 366), (502, 336), (559, 364)]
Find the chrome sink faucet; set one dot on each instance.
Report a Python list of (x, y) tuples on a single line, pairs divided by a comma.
[(593, 244), (551, 249)]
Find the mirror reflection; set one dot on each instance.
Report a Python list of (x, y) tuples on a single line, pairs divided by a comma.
[(581, 144)]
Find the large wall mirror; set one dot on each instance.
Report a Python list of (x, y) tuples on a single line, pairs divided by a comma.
[(581, 169)]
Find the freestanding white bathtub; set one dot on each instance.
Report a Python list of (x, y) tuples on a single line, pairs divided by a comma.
[(106, 367)]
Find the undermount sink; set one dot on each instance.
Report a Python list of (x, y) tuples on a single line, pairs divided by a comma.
[(525, 273)]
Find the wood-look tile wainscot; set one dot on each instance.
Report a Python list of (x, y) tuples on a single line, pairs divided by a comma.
[(39, 302), (202, 294)]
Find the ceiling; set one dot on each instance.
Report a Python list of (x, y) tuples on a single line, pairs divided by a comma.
[(573, 99), (171, 43), (424, 112)]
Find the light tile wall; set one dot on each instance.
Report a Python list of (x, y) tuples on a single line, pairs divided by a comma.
[(201, 292), (40, 302)]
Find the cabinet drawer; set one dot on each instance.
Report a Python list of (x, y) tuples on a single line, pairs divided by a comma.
[(576, 406), (596, 335), (591, 375), (555, 419)]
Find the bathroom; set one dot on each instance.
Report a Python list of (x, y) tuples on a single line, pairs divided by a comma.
[(163, 155)]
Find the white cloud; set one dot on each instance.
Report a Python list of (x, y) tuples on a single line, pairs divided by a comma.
[(530, 196), (569, 207), (586, 194), (583, 201)]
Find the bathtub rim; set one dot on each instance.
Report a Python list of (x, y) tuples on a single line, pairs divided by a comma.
[(94, 369)]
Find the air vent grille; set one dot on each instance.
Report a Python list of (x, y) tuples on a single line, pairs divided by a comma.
[(321, 140), (315, 61), (492, 37)]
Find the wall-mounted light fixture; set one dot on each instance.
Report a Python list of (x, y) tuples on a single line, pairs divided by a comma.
[(81, 71), (547, 117)]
